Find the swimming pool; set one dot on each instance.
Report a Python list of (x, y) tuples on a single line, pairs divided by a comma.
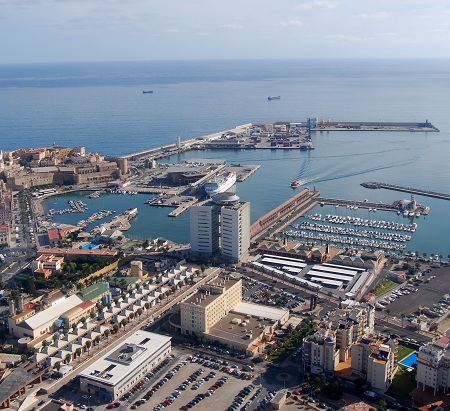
[(410, 360), (92, 246)]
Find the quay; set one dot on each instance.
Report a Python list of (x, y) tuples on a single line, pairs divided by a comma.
[(375, 185), (373, 126), (359, 204), (277, 135), (283, 215)]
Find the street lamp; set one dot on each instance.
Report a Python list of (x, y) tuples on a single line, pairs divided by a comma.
[(89, 402)]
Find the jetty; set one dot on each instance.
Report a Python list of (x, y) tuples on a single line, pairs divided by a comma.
[(427, 193), (358, 204)]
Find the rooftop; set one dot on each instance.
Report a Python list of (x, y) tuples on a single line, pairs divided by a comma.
[(116, 364), (94, 291)]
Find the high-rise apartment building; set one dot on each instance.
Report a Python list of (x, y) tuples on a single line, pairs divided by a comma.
[(220, 226)]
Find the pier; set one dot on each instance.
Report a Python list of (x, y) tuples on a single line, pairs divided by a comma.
[(359, 204), (241, 137), (282, 215), (375, 185)]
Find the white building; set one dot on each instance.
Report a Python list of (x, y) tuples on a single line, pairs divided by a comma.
[(204, 225), (235, 230), (433, 365), (122, 367), (375, 359), (222, 223)]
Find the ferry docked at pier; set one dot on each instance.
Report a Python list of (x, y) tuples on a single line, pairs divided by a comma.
[(220, 184)]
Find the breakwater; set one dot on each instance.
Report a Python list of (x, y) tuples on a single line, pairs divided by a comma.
[(376, 185)]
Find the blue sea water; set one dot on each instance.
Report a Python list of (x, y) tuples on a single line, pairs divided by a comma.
[(101, 106)]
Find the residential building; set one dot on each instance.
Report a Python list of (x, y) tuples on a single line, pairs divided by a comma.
[(46, 262), (124, 366), (433, 365), (375, 360)]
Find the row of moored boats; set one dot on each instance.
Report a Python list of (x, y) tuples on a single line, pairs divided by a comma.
[(354, 232)]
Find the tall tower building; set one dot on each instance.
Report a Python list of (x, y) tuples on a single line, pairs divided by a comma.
[(204, 225), (221, 223), (235, 230)]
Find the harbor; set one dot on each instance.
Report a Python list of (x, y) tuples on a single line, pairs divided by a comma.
[(277, 135)]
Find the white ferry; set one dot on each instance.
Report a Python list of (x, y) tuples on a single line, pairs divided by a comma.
[(220, 184)]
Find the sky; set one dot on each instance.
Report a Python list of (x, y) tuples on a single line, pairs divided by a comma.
[(34, 31)]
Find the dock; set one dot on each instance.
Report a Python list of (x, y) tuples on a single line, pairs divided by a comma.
[(376, 185), (277, 135), (359, 204)]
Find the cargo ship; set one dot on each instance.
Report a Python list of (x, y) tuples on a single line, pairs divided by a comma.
[(220, 184)]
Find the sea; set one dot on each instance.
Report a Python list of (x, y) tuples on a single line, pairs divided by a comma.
[(101, 106)]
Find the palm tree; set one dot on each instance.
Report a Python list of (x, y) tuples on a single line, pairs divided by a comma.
[(88, 345), (78, 352), (147, 306), (106, 334), (403, 318), (139, 312), (97, 341)]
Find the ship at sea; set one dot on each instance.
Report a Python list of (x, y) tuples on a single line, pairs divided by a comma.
[(147, 92), (220, 184), (273, 97)]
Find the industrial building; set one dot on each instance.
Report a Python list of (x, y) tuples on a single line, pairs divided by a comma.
[(122, 367)]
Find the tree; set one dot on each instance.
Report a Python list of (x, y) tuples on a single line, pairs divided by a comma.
[(97, 341), (44, 343), (30, 286), (78, 353), (92, 315), (123, 323), (131, 316), (57, 365), (147, 306), (88, 345), (139, 312), (115, 328), (106, 334), (68, 358)]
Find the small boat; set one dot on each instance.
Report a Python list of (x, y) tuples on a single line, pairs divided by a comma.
[(273, 97), (295, 184), (147, 92)]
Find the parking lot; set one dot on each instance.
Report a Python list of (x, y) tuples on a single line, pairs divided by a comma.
[(171, 386), (273, 293), (431, 288)]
